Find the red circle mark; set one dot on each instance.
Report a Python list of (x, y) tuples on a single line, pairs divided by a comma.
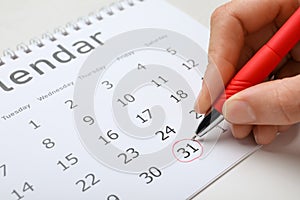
[(187, 161)]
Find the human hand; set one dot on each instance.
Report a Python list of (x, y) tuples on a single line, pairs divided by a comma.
[(238, 29)]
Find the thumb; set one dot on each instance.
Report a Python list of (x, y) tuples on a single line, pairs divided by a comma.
[(269, 103)]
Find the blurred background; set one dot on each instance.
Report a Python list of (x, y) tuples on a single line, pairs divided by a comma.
[(21, 20)]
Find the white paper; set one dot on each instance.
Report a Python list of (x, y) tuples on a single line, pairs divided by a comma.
[(42, 154)]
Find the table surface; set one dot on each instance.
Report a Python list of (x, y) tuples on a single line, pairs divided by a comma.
[(270, 173)]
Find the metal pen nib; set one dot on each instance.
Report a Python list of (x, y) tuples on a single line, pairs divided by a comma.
[(210, 121)]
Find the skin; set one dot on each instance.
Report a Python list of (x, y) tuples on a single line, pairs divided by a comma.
[(238, 29)]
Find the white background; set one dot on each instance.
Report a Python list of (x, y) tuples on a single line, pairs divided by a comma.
[(271, 173)]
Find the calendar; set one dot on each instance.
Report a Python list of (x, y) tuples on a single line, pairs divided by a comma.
[(104, 109)]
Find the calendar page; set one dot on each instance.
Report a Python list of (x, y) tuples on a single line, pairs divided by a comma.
[(103, 109)]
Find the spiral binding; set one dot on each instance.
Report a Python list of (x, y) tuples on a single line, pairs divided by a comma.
[(76, 26)]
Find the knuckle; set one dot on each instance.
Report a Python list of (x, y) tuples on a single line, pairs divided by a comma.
[(219, 12)]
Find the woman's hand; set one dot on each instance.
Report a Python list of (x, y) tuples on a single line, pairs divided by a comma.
[(238, 29)]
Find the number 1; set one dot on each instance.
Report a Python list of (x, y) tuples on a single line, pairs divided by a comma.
[(35, 126), (223, 129), (4, 169)]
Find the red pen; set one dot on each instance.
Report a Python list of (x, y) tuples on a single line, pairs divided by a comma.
[(257, 69)]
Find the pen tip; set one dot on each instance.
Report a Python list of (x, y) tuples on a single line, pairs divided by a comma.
[(204, 123), (209, 117)]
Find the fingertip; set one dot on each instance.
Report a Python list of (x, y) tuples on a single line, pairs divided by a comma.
[(212, 86), (203, 103), (265, 134), (241, 131), (238, 111), (283, 128), (273, 102)]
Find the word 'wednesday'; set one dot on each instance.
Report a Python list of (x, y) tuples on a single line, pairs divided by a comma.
[(61, 56)]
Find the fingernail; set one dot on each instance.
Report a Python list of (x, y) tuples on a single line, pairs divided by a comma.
[(233, 131), (256, 137), (238, 112)]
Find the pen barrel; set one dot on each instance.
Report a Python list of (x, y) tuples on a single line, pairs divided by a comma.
[(265, 60), (254, 72), (287, 36)]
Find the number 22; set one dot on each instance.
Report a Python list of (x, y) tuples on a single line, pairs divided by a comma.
[(85, 187)]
